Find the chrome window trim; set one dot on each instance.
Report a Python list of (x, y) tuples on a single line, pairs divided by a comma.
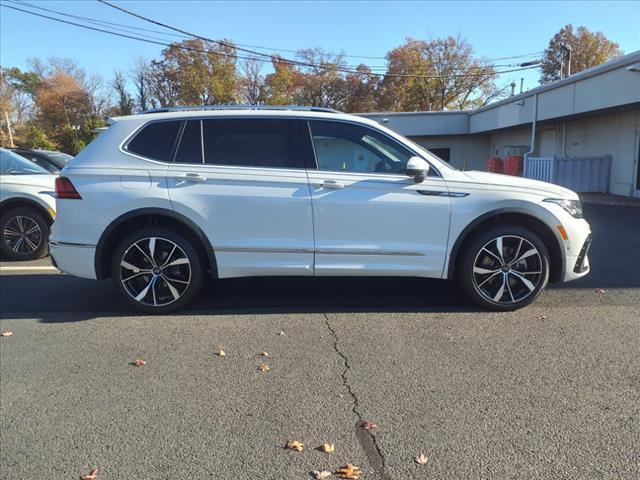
[(409, 147)]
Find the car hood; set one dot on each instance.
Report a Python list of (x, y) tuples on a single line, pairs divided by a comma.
[(510, 181), (42, 180)]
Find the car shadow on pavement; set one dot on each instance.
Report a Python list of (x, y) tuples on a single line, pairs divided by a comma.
[(61, 298)]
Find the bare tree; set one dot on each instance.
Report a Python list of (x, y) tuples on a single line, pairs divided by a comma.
[(124, 100), (252, 82), (139, 75)]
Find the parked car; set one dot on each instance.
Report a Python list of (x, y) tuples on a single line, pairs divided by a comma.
[(27, 207), (48, 159), (161, 201)]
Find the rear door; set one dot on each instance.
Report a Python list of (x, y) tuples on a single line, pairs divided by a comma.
[(243, 181), (370, 218)]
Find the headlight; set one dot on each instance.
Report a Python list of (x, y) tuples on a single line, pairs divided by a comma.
[(572, 207)]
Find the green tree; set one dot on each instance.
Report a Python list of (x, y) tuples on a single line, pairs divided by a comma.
[(194, 72), (588, 50)]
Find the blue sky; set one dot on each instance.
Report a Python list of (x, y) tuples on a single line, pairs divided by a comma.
[(368, 28)]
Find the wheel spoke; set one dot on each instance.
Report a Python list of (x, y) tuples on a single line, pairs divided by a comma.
[(169, 257), (144, 291), (135, 275), (33, 229), (179, 261), (527, 283), (484, 271), (526, 254), (500, 293), (499, 248), (171, 279), (488, 278), (153, 289), (518, 250), (509, 290), (20, 225), (537, 272), (172, 289), (10, 233), (132, 267), (32, 245), (144, 253), (492, 254), (17, 245), (152, 249)]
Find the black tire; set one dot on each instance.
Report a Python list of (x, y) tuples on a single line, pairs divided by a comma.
[(164, 283), (16, 243), (493, 290)]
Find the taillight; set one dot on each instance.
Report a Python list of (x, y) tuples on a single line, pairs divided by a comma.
[(65, 189)]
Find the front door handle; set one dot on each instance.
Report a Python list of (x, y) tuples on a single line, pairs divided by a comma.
[(191, 177), (333, 184)]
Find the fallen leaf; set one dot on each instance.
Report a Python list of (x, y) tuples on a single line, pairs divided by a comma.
[(281, 333), (600, 290), (264, 354), (6, 334), (139, 362), (263, 367), (422, 459), (541, 317), (320, 475), (221, 353), (367, 425), (295, 445), (328, 447), (93, 474), (349, 472)]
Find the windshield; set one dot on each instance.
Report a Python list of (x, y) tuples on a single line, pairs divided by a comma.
[(13, 164)]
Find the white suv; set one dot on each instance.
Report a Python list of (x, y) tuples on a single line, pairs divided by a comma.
[(160, 201)]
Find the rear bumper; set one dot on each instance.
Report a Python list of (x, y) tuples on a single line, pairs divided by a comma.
[(73, 258)]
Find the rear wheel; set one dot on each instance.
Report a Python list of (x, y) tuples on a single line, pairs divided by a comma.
[(24, 234), (504, 268), (157, 270)]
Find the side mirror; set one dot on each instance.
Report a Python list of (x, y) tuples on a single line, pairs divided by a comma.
[(417, 168)]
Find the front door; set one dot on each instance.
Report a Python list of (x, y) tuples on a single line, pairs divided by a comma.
[(244, 181), (369, 218)]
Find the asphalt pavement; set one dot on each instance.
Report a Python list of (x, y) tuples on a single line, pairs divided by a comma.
[(548, 392)]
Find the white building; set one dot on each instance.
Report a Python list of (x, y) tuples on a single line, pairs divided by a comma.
[(591, 113)]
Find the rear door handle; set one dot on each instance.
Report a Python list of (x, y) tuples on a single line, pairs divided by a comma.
[(333, 184), (191, 177)]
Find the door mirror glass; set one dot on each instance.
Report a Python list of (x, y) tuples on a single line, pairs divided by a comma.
[(417, 168)]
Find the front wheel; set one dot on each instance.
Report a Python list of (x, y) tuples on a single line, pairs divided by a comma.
[(504, 268), (157, 270)]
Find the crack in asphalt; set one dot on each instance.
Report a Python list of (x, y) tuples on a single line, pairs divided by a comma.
[(367, 440)]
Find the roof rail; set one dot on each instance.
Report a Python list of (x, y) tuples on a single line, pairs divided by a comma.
[(240, 107)]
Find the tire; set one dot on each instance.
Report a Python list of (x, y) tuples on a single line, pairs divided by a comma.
[(172, 281), (24, 234), (508, 281)]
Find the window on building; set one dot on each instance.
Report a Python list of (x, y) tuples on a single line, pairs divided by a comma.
[(353, 148), (253, 142), (442, 153), (156, 140)]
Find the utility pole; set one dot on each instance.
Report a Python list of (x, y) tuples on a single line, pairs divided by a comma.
[(567, 48), (6, 116)]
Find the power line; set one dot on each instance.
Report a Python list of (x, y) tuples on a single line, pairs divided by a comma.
[(269, 60), (253, 52), (260, 47)]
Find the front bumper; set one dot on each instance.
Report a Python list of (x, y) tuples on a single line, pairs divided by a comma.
[(577, 259), (74, 259)]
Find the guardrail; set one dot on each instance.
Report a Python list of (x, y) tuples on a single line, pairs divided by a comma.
[(580, 174)]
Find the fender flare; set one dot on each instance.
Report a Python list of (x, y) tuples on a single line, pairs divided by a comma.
[(493, 213), (145, 212)]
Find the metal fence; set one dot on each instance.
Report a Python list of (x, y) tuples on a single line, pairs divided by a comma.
[(580, 174)]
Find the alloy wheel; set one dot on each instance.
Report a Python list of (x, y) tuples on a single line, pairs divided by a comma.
[(22, 235), (155, 271), (507, 269)]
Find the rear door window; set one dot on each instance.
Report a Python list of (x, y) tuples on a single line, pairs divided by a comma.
[(190, 146), (156, 140), (253, 142)]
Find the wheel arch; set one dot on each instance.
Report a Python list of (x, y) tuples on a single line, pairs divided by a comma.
[(18, 202), (150, 217), (525, 218)]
